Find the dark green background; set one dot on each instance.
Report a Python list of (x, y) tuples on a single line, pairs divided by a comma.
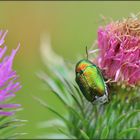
[(71, 25)]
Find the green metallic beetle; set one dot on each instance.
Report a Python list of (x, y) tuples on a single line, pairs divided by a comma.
[(91, 82)]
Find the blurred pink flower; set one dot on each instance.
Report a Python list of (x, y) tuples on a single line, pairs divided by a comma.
[(8, 78), (119, 55)]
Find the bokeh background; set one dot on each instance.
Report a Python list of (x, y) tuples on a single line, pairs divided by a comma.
[(71, 25)]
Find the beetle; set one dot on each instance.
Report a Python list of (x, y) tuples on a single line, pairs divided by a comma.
[(91, 82)]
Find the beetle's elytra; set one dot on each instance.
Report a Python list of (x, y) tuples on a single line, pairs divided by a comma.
[(91, 82)]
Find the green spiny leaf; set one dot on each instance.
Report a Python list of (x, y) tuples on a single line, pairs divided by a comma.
[(132, 115), (126, 131), (79, 93), (84, 135), (118, 121), (55, 112), (65, 133), (105, 132)]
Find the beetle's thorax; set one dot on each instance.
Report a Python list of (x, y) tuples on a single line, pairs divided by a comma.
[(82, 64)]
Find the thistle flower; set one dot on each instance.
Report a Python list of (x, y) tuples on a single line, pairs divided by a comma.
[(119, 57), (8, 77)]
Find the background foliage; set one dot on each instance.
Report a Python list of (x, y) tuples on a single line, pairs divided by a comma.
[(72, 26)]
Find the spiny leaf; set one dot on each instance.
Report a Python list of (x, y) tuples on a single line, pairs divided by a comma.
[(65, 133), (73, 93), (78, 104), (53, 111), (79, 93), (118, 121), (131, 115), (69, 107), (126, 131), (138, 124), (53, 86), (105, 132), (84, 135), (52, 123), (62, 70), (60, 97), (70, 90)]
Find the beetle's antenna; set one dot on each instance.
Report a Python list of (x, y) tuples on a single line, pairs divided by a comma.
[(87, 52)]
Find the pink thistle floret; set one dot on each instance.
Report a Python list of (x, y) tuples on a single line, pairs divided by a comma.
[(119, 51), (8, 78)]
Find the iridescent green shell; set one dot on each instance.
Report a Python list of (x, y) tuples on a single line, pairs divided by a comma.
[(90, 80)]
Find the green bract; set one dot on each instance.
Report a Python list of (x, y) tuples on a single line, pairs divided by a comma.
[(91, 82)]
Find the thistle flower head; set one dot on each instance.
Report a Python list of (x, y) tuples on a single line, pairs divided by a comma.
[(119, 44), (8, 77)]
